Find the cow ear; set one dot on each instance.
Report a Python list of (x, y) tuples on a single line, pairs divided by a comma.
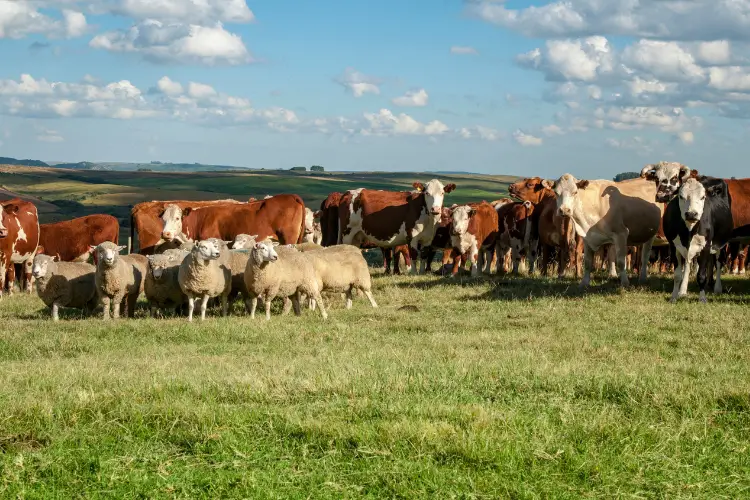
[(161, 213), (472, 211), (418, 186), (56, 258), (12, 208), (39, 249), (450, 187), (549, 183), (582, 184), (685, 173), (527, 204), (649, 172), (715, 190), (186, 211), (694, 174)]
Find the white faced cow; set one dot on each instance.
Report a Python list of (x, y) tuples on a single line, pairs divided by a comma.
[(604, 212), (668, 177)]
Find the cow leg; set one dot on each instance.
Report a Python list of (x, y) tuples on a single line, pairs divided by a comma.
[(645, 258), (152, 311), (456, 263), (620, 250), (545, 259), (687, 261), (703, 259), (612, 260), (678, 271), (531, 252), (588, 265), (742, 259), (487, 255), (515, 253), (422, 263), (28, 279), (387, 258), (2, 279), (414, 255), (11, 278), (474, 256)]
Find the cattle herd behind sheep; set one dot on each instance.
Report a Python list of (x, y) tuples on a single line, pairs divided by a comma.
[(192, 252)]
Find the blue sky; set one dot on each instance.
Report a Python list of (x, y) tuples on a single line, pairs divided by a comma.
[(593, 87)]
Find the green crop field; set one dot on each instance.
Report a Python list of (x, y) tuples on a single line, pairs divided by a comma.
[(492, 387), (486, 388)]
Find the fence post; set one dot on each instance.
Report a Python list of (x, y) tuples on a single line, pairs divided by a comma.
[(129, 243)]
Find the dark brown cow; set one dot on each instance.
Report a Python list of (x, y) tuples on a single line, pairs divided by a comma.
[(147, 225), (329, 226), (515, 224), (281, 217), (71, 240), (553, 231), (19, 238), (474, 231), (390, 219)]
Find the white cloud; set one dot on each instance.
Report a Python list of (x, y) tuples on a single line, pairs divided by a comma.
[(75, 23), (384, 122), (169, 87), (526, 140), (20, 18), (480, 132), (552, 130), (731, 78), (461, 50), (187, 11), (200, 90), (46, 135), (358, 83), (636, 143), (579, 60), (413, 98), (714, 53), (177, 43), (686, 137), (663, 60)]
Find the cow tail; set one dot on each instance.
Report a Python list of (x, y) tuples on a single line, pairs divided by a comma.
[(132, 233), (302, 226)]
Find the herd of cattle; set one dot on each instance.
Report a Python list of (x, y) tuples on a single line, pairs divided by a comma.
[(669, 216)]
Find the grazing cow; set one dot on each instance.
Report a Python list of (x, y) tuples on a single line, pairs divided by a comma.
[(281, 217), (698, 223), (515, 221), (553, 231), (147, 225), (622, 213), (19, 239), (329, 227), (474, 230), (390, 219), (71, 240)]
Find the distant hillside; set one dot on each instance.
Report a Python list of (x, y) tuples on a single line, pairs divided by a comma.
[(28, 163), (147, 167)]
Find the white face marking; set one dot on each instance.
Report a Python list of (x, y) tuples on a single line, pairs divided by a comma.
[(172, 219), (460, 217), (207, 249), (309, 221), (244, 241), (668, 175), (434, 194), (692, 196), (566, 189)]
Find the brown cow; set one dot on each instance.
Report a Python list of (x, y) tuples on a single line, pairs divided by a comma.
[(390, 219), (474, 230), (19, 238), (71, 240), (146, 223), (281, 217), (515, 222), (551, 229), (329, 226)]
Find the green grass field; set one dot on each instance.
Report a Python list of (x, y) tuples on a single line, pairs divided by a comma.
[(494, 388)]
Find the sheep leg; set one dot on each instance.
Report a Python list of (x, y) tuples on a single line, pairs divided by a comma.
[(116, 303), (368, 294), (132, 300), (268, 308), (349, 298), (287, 306), (204, 306), (297, 306), (224, 306), (153, 311), (252, 304), (54, 310), (191, 307), (319, 300), (106, 306)]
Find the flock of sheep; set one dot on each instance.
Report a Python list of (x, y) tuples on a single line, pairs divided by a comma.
[(198, 272)]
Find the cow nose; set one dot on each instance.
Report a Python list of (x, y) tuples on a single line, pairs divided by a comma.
[(3, 233), (564, 211), (691, 216), (435, 210)]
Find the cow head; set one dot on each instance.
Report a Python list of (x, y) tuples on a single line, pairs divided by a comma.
[(10, 209), (566, 188), (43, 265), (263, 252), (172, 218), (244, 241), (668, 176), (692, 199), (434, 193), (309, 222), (531, 189), (460, 217), (208, 249), (106, 253)]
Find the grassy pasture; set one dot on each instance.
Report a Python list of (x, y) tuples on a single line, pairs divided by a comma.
[(493, 388)]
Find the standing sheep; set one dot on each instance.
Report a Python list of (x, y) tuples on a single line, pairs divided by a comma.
[(206, 273), (64, 284), (162, 288), (287, 273), (342, 268), (119, 278)]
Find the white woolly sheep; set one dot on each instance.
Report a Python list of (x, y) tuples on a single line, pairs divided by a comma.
[(342, 268), (205, 273), (162, 288), (286, 273), (119, 279), (64, 284)]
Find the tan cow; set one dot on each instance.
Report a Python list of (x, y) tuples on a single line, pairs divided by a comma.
[(621, 213)]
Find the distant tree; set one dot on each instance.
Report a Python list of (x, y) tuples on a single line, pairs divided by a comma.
[(298, 169), (317, 168), (626, 175), (155, 163), (145, 170)]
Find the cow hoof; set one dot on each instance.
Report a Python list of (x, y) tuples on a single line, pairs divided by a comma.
[(673, 300), (702, 298)]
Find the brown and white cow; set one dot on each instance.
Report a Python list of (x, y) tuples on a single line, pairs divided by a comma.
[(515, 221), (313, 230), (474, 230), (553, 231), (19, 238), (281, 217), (390, 219), (621, 213), (71, 240), (146, 224)]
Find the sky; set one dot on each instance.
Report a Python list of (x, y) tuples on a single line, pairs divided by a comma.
[(518, 87)]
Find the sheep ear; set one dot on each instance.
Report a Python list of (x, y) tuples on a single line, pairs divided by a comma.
[(258, 245), (121, 248)]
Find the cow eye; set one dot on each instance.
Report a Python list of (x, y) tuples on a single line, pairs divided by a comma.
[(674, 181)]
